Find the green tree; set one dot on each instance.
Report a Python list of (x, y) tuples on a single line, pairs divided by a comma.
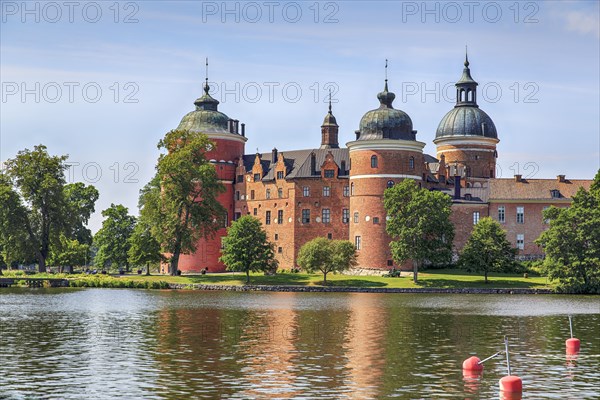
[(13, 238), (112, 240), (572, 243), (144, 248), (321, 254), (39, 209), (180, 202), (419, 224), (487, 249), (80, 203), (246, 248), (70, 253)]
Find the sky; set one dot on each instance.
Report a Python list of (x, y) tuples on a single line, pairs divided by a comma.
[(103, 81)]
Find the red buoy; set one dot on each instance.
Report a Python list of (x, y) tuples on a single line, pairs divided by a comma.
[(573, 345), (511, 384), (472, 364)]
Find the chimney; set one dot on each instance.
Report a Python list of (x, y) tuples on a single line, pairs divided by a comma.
[(357, 133), (313, 164), (457, 187), (244, 130), (517, 178), (230, 125), (274, 155), (235, 125), (560, 178)]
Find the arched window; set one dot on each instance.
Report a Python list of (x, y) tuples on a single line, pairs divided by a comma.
[(411, 163), (268, 193), (390, 184), (352, 189), (280, 193), (373, 161)]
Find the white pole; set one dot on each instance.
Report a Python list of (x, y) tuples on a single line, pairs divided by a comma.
[(507, 358), (571, 326)]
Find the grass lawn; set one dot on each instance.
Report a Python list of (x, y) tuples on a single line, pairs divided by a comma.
[(445, 278)]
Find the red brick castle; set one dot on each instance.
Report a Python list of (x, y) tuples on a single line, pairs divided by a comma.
[(337, 192)]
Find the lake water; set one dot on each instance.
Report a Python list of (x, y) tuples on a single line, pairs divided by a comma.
[(118, 343)]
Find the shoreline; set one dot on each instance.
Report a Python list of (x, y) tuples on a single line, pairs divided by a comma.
[(344, 289)]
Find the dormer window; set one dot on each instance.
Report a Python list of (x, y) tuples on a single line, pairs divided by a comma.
[(256, 177), (279, 174), (329, 173), (555, 193)]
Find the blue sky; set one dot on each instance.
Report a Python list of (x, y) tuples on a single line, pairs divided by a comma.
[(104, 81)]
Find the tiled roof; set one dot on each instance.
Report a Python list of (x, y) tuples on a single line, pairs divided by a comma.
[(298, 162), (535, 189)]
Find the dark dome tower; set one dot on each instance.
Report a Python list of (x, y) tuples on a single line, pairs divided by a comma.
[(467, 136)]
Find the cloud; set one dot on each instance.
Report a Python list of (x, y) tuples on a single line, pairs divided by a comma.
[(583, 23)]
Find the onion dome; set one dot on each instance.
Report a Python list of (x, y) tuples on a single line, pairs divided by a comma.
[(205, 118), (386, 122), (466, 118), (329, 118)]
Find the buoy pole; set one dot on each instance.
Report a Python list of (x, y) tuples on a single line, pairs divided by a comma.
[(510, 383), (489, 358), (507, 357), (571, 325)]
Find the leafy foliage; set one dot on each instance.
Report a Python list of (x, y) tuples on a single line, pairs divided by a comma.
[(572, 243), (180, 202), (419, 224), (112, 240), (144, 248), (71, 253), (487, 249), (246, 248), (321, 254)]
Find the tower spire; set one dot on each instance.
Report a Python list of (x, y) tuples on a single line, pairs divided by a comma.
[(329, 100), (466, 57), (206, 87), (386, 78)]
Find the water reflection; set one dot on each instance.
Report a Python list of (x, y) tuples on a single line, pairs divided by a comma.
[(172, 345)]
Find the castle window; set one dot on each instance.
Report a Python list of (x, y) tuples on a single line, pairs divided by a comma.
[(326, 215), (268, 193), (268, 218), (237, 195), (326, 191), (376, 220), (411, 163), (306, 191), (520, 215), (256, 177), (280, 250), (225, 219), (280, 217), (468, 171), (252, 195), (306, 216), (329, 236), (501, 214), (390, 184), (346, 191), (475, 217), (555, 194), (279, 174), (343, 168), (520, 241), (280, 193), (357, 242), (356, 217), (237, 216), (240, 178), (345, 216), (352, 189), (255, 211), (276, 236), (390, 263), (374, 162), (329, 173)]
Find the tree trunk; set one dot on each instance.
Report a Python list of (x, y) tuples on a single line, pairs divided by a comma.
[(148, 269), (415, 271), (41, 263), (247, 276), (174, 263), (325, 277), (485, 274)]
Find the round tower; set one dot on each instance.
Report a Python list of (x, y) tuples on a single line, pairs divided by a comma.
[(384, 153), (229, 147), (467, 136)]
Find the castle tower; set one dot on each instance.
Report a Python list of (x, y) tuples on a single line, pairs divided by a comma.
[(229, 147), (467, 136), (329, 130), (384, 153)]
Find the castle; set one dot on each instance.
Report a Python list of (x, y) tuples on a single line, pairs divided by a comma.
[(337, 192)]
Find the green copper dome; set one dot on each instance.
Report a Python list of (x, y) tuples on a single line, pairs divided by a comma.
[(386, 122), (205, 118), (466, 118)]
